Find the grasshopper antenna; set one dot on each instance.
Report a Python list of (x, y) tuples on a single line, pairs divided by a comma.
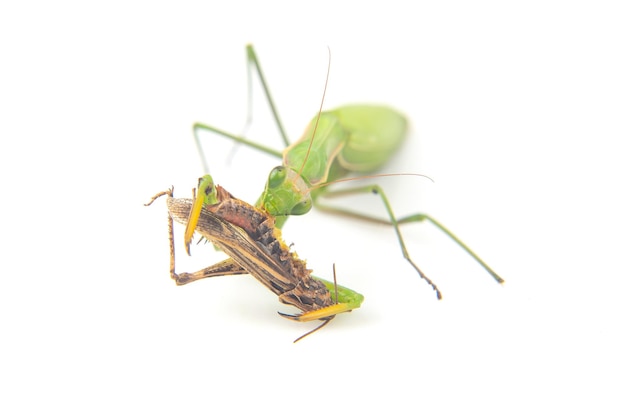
[(328, 319)]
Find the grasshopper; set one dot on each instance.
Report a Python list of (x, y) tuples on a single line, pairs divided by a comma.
[(255, 246)]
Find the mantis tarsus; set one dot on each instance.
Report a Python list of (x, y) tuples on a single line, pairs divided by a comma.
[(249, 236), (353, 138)]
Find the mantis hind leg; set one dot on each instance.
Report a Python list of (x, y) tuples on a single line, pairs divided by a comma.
[(395, 223), (253, 63)]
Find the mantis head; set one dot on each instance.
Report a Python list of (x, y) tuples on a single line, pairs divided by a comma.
[(286, 193)]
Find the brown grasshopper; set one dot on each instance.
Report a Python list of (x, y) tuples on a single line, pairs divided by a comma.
[(255, 246)]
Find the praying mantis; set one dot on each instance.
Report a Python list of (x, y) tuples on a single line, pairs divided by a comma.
[(351, 139)]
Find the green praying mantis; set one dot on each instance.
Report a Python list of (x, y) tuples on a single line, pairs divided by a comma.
[(356, 139)]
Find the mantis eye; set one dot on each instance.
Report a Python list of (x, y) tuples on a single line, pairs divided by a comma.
[(302, 207), (277, 177)]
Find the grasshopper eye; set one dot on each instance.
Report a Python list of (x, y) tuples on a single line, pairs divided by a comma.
[(277, 177), (302, 207)]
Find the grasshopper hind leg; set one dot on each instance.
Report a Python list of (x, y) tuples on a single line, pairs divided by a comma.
[(222, 268)]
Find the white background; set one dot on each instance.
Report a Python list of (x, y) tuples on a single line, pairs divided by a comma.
[(517, 113)]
